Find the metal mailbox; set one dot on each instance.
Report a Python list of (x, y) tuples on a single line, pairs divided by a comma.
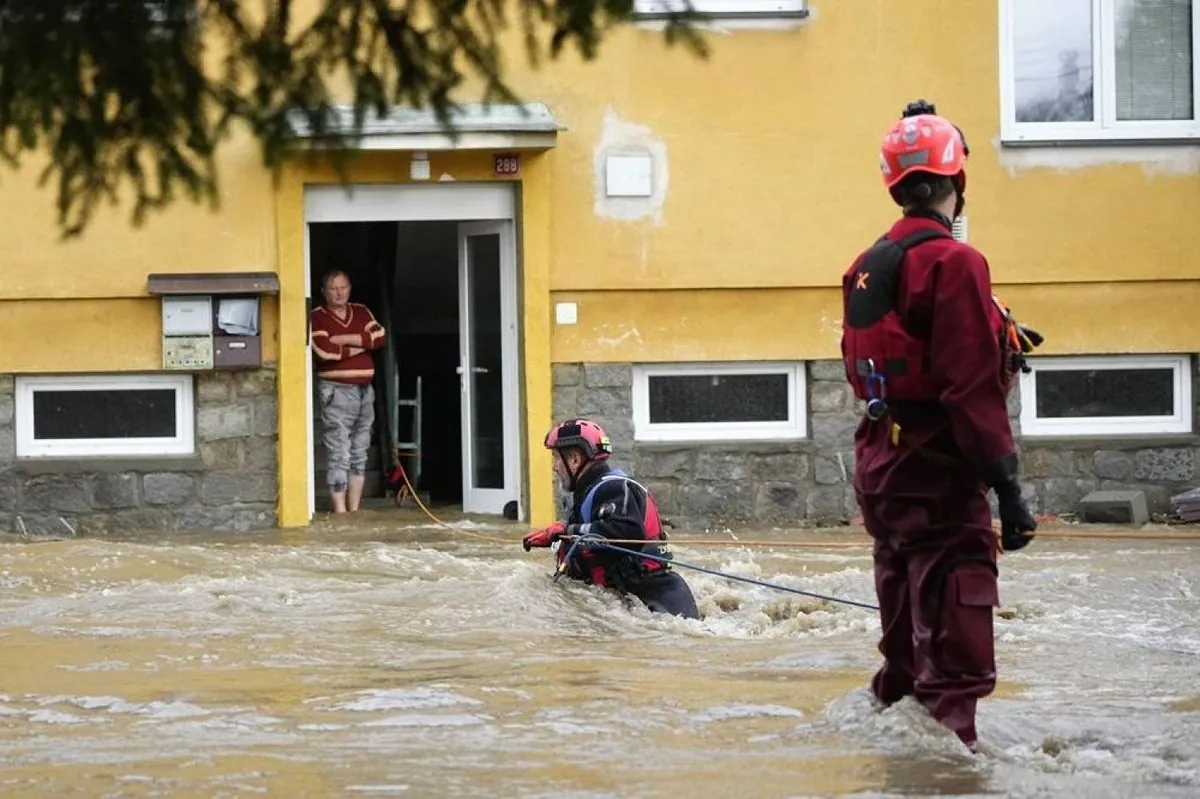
[(212, 320)]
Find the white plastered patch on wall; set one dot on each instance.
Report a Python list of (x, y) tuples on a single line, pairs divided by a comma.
[(621, 138), (1171, 159)]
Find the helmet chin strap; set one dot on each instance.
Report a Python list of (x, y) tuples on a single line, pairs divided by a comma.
[(960, 192)]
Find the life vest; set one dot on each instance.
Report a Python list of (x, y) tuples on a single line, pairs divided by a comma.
[(629, 567), (880, 355), (883, 360)]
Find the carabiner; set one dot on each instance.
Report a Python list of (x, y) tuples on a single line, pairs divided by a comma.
[(876, 402)]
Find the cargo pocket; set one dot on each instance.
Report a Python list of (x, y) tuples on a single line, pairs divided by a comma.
[(976, 586), (967, 644)]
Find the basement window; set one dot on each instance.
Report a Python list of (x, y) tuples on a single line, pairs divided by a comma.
[(104, 415), (719, 401), (725, 9), (1104, 396)]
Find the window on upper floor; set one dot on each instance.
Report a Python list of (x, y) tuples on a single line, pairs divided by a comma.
[(1103, 70), (724, 8), (1105, 396)]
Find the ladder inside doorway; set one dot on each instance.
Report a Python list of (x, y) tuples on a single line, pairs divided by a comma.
[(405, 450), (409, 450)]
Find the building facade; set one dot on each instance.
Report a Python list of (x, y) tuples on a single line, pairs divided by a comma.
[(669, 235)]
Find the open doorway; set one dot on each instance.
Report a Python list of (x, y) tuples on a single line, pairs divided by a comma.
[(446, 383), (425, 339)]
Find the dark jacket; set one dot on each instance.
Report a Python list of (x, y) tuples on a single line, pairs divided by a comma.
[(618, 511)]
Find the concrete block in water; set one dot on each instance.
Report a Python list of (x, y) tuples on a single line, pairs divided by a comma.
[(1115, 507)]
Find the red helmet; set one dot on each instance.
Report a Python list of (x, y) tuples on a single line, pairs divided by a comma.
[(588, 436), (924, 143)]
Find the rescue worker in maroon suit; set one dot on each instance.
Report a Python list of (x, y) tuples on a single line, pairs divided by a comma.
[(608, 504), (934, 354)]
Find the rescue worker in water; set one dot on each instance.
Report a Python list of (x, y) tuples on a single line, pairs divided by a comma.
[(608, 504), (934, 354)]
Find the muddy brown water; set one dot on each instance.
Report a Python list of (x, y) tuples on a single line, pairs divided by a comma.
[(379, 657)]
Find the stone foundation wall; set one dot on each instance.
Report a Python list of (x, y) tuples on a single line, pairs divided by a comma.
[(710, 484), (228, 485)]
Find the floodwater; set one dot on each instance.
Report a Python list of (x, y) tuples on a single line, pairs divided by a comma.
[(385, 658)]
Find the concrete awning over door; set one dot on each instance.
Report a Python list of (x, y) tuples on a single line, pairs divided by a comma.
[(528, 126)]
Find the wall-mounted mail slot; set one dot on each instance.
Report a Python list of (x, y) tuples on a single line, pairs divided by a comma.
[(237, 352), (212, 321)]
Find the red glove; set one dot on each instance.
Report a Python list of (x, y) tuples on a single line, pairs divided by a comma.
[(544, 538)]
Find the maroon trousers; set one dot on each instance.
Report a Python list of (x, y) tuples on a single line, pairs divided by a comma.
[(935, 577)]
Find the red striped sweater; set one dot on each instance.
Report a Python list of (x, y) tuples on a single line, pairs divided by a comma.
[(346, 363)]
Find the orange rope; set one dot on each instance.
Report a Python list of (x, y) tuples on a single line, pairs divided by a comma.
[(865, 541), (860, 542), (480, 536)]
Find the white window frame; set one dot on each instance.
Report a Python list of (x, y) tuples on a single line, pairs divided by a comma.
[(796, 427), (1093, 426), (182, 443), (1106, 127), (723, 8)]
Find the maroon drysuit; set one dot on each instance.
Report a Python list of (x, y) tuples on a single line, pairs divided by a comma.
[(922, 495)]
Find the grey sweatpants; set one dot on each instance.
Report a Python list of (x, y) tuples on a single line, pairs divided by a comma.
[(347, 413)]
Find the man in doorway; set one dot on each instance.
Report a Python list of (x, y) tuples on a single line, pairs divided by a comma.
[(344, 334)]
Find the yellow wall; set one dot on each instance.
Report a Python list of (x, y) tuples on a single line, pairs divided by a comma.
[(773, 187), (773, 184), (81, 305)]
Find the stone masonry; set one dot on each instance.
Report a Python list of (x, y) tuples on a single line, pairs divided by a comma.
[(228, 485), (710, 484)]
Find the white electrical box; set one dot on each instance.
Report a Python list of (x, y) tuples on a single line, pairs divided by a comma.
[(628, 176), (187, 316), (566, 313)]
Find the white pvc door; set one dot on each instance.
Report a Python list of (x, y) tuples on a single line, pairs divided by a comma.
[(487, 293), (308, 379)]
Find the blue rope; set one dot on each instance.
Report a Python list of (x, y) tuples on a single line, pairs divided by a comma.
[(562, 567), (592, 543)]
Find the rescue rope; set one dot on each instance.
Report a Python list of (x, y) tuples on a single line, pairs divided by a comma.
[(721, 542), (672, 562), (737, 542), (865, 541), (1132, 535), (482, 537)]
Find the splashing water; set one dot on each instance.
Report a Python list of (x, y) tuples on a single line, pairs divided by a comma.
[(388, 660)]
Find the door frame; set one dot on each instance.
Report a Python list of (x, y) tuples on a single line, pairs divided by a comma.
[(436, 202), (311, 446), (509, 363)]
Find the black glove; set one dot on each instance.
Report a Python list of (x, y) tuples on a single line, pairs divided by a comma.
[(1030, 338), (1017, 524)]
